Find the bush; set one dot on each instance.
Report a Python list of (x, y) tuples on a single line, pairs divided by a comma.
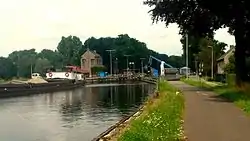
[(210, 79), (230, 79), (220, 78)]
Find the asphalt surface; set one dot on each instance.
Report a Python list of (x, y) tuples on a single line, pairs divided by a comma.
[(209, 118)]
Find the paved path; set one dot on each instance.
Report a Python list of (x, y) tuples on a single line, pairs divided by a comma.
[(208, 118)]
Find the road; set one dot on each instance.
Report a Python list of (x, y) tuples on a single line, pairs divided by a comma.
[(209, 118)]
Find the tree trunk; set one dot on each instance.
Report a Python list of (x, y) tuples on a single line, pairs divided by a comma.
[(240, 53)]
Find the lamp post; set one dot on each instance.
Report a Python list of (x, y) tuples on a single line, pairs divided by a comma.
[(110, 54), (196, 66), (127, 62), (31, 70), (187, 72), (212, 63), (142, 64), (133, 64), (116, 66)]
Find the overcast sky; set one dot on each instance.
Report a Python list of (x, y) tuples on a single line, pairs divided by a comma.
[(40, 24)]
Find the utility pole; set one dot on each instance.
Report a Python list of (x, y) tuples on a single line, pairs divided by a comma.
[(142, 64), (133, 65), (196, 68), (110, 54), (187, 71), (31, 70), (18, 75), (127, 62), (116, 66)]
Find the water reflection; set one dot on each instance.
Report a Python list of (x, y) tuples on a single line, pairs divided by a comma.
[(80, 114)]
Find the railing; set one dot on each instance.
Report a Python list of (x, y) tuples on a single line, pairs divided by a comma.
[(149, 80)]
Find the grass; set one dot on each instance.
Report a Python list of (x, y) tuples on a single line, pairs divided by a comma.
[(2, 81), (161, 120), (197, 83), (238, 96)]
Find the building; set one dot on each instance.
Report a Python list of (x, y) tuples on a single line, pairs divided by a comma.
[(90, 59), (224, 59), (185, 71)]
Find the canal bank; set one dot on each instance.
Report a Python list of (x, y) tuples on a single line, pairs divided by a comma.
[(79, 114), (29, 88), (159, 118)]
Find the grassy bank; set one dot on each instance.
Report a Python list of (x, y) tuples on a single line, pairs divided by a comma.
[(161, 119), (2, 81), (240, 97)]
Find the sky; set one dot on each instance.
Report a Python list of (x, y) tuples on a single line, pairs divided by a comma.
[(40, 24)]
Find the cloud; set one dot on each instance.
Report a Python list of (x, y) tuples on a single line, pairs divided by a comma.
[(40, 24)]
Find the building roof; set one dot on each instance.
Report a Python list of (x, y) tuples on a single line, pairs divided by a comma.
[(224, 55), (91, 51)]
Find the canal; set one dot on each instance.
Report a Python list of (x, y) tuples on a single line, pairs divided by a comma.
[(77, 115)]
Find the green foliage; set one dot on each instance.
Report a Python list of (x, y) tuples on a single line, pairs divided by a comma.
[(199, 50), (54, 57), (230, 79), (176, 61), (23, 60), (160, 121), (42, 65), (97, 69), (200, 18), (125, 45), (197, 83), (8, 69), (69, 48), (230, 67), (209, 46)]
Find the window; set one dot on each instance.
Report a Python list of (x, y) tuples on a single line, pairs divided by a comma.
[(83, 62), (92, 61)]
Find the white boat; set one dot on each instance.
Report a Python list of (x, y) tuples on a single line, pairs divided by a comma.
[(71, 73)]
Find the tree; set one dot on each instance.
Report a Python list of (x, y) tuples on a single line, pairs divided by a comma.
[(8, 68), (69, 48), (200, 50), (230, 67), (24, 60), (54, 57), (123, 45), (209, 46), (177, 61), (200, 18), (42, 65), (193, 49)]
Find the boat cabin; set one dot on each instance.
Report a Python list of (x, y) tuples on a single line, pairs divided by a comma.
[(68, 72)]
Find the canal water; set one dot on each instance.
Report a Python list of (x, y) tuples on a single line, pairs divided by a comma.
[(77, 115)]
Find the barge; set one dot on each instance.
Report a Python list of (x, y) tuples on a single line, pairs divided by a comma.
[(14, 90), (70, 78)]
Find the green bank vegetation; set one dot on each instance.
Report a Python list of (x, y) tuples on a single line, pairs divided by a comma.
[(161, 120), (239, 96)]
